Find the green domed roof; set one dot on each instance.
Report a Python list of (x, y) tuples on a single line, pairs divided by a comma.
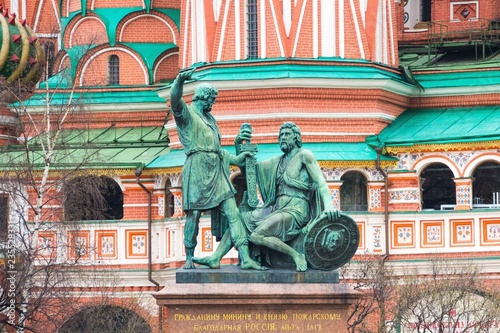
[(21, 56)]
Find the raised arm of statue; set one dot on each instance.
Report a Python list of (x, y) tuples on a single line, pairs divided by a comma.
[(176, 91)]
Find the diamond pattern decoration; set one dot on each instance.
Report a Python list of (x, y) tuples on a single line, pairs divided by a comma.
[(465, 11)]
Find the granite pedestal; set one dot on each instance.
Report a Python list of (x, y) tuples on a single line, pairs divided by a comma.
[(234, 300)]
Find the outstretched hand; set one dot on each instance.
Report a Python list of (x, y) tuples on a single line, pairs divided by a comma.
[(185, 75), (240, 159)]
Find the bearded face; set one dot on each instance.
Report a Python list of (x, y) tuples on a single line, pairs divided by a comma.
[(287, 140), (208, 103)]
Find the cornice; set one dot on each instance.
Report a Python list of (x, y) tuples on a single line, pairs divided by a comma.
[(456, 146)]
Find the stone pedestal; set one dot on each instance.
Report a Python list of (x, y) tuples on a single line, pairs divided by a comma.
[(232, 300)]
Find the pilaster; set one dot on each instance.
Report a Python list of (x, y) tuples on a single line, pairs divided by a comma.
[(463, 188)]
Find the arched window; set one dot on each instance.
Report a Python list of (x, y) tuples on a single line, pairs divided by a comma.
[(486, 186), (92, 198), (105, 319), (113, 70), (169, 200), (353, 192), (438, 187)]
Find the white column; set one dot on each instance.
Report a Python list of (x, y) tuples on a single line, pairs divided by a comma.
[(328, 32), (262, 19), (237, 30)]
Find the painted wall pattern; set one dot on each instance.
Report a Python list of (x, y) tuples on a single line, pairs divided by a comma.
[(161, 206), (107, 245), (404, 195), (490, 231), (461, 158), (377, 238), (433, 234), (208, 240), (462, 232), (493, 232), (334, 174), (137, 243), (375, 198), (160, 180), (178, 204), (405, 235), (335, 196), (407, 160), (464, 195)]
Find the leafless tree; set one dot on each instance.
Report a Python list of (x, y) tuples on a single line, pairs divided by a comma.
[(437, 296), (449, 296), (375, 280), (37, 171)]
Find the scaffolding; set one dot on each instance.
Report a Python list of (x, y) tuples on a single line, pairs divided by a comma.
[(479, 33)]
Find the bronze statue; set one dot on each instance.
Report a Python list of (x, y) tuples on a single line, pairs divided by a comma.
[(295, 193), (205, 175)]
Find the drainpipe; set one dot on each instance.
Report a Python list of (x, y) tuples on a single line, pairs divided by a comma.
[(138, 173), (386, 203), (386, 222)]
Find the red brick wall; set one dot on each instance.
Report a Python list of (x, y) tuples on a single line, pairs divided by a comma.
[(403, 207), (30, 11), (283, 101), (351, 45), (88, 31), (149, 28), (410, 182), (167, 3), (132, 72), (110, 296), (168, 67), (272, 35), (116, 3), (229, 36), (304, 48), (456, 101), (73, 5)]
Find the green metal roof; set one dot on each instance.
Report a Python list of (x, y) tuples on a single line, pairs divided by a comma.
[(173, 13), (64, 79), (110, 148), (334, 151), (149, 53), (111, 17), (95, 97), (317, 69), (459, 79), (442, 125)]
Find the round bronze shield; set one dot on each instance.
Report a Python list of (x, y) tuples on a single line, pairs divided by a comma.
[(330, 244)]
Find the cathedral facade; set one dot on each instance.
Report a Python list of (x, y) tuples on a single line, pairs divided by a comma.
[(398, 100)]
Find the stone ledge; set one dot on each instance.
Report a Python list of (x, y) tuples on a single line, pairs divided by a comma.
[(233, 274)]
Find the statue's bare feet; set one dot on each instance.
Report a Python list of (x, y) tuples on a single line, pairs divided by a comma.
[(189, 264), (208, 261), (300, 262), (251, 264)]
